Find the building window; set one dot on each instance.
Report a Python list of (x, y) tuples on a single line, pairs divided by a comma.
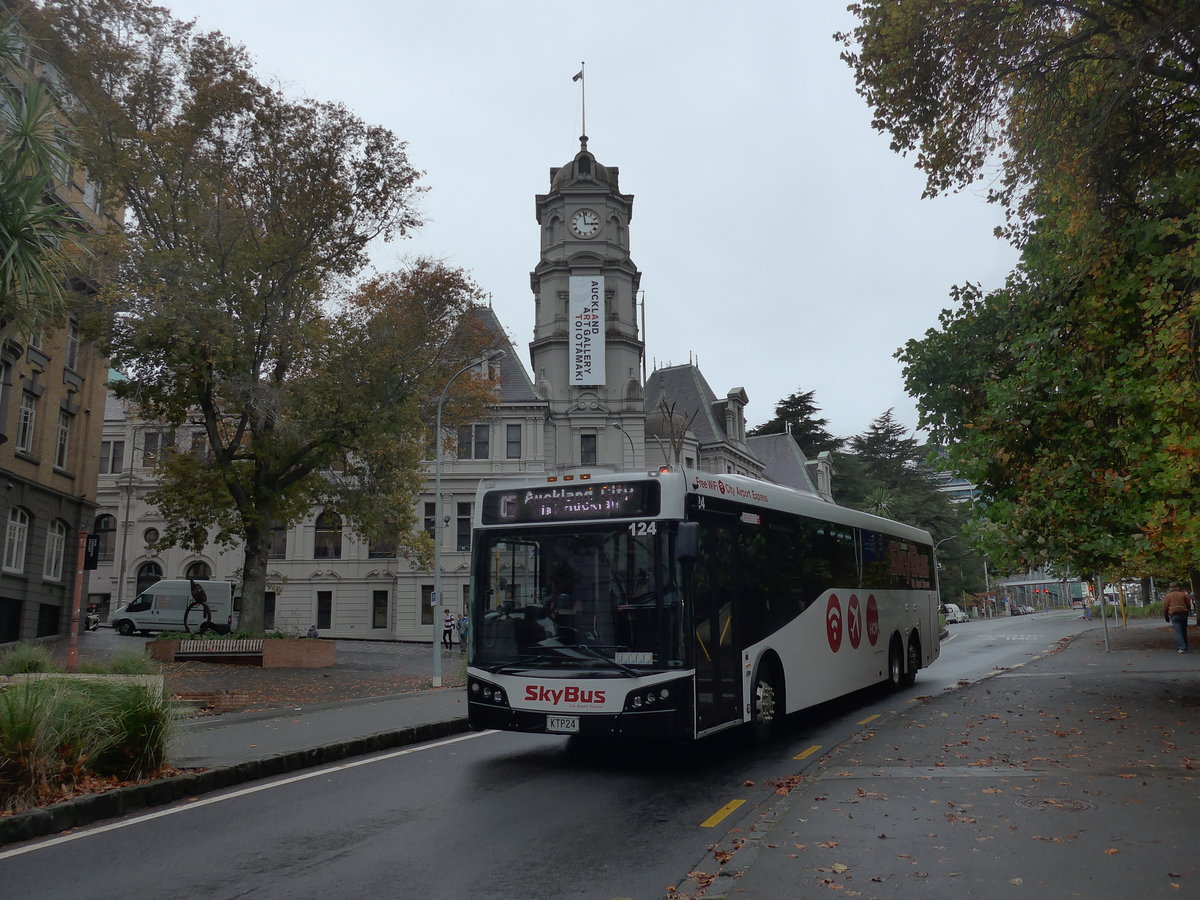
[(379, 609), (277, 548), (106, 534), (154, 445), (93, 195), (512, 442), (200, 445), (73, 345), (148, 574), (112, 457), (324, 609), (427, 605), (473, 442), (466, 604), (56, 551), (25, 424), (328, 543), (201, 571), (150, 536), (383, 546), (62, 443), (464, 526), (431, 519), (16, 538), (587, 449), (268, 610)]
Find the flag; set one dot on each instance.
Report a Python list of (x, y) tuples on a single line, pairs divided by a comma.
[(578, 75)]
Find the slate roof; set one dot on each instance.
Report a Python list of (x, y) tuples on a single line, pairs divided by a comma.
[(783, 460), (515, 384), (686, 388)]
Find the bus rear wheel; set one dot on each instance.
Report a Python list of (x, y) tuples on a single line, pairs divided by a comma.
[(767, 711), (895, 664), (912, 664)]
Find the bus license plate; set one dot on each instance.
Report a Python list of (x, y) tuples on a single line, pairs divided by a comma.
[(563, 724)]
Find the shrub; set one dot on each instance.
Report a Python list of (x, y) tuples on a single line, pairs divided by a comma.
[(23, 657), (56, 732), (24, 763), (141, 721)]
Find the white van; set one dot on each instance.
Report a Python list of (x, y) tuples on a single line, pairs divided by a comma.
[(164, 607), (954, 614)]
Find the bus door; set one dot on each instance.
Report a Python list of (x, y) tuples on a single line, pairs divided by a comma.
[(718, 677)]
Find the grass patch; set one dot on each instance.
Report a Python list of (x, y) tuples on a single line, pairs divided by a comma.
[(23, 658)]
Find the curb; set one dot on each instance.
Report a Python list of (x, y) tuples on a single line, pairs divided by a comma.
[(85, 810)]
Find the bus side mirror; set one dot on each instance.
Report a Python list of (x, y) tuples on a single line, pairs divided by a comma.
[(687, 542)]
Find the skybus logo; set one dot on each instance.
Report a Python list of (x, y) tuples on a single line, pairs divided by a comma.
[(537, 694)]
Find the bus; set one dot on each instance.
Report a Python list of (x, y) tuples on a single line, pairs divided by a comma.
[(676, 605)]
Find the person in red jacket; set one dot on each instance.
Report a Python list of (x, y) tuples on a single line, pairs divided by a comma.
[(1176, 605)]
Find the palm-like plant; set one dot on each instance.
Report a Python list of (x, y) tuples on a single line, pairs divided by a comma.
[(35, 227)]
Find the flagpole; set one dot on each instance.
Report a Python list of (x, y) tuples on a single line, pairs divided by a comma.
[(583, 98)]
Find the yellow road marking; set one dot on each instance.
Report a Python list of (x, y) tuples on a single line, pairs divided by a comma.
[(868, 720), (809, 752), (720, 815)]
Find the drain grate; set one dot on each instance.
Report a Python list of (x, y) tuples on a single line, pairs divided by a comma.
[(1066, 804)]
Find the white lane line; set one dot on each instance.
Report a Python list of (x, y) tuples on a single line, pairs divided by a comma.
[(315, 773)]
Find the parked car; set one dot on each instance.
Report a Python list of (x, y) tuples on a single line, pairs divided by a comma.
[(954, 614)]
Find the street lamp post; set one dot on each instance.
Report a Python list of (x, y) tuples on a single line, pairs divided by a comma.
[(437, 517), (632, 448)]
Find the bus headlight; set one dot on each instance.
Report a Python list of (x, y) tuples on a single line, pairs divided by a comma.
[(648, 697)]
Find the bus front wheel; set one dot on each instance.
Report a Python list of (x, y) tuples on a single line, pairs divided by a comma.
[(767, 713)]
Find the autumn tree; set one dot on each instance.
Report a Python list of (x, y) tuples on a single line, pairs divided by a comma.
[(250, 218), (798, 414), (1068, 395)]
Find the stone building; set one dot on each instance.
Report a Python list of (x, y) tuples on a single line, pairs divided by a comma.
[(586, 404), (52, 389)]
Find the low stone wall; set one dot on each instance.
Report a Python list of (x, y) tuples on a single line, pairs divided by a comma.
[(154, 682)]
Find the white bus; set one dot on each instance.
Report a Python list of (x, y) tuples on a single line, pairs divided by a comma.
[(677, 604)]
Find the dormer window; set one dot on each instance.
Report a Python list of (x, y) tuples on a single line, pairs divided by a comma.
[(584, 166)]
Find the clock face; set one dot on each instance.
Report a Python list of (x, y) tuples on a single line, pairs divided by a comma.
[(585, 223)]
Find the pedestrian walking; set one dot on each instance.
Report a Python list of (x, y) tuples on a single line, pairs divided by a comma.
[(1176, 606), (448, 629), (463, 627)]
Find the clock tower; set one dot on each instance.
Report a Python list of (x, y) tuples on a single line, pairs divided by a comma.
[(587, 350)]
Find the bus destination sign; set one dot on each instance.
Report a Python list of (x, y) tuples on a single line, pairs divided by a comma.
[(566, 501)]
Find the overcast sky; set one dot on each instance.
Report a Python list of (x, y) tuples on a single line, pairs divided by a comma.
[(783, 247)]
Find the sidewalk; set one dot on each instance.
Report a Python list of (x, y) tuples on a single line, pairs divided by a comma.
[(1074, 775)]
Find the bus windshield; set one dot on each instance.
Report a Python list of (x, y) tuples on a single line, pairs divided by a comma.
[(602, 597)]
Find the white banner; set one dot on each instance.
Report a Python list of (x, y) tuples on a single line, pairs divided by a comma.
[(586, 309)]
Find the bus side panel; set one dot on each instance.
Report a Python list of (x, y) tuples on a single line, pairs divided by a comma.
[(827, 651)]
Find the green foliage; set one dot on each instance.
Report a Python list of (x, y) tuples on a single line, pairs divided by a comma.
[(1067, 396), (37, 232), (799, 412)]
